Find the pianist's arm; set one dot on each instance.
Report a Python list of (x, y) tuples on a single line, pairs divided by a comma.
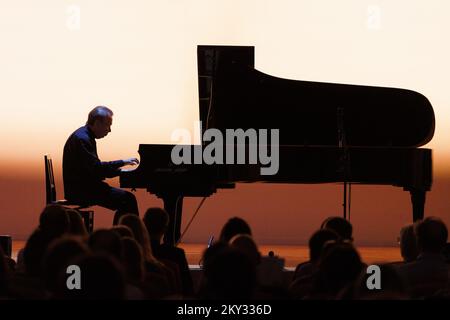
[(92, 164)]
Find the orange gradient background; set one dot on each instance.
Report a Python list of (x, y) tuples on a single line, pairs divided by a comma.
[(59, 59)]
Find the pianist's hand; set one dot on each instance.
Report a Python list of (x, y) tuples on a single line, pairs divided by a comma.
[(130, 161)]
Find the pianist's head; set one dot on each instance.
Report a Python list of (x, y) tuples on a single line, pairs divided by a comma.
[(100, 121)]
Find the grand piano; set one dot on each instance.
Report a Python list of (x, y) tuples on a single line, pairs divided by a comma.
[(328, 133)]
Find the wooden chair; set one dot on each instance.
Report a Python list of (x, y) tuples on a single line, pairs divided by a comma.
[(50, 193)]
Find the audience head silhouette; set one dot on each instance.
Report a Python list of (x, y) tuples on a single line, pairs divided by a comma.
[(34, 251), (76, 224), (233, 227), (408, 243), (133, 260), (339, 266), (229, 274), (4, 276), (431, 235), (106, 242), (156, 220), (58, 257), (339, 225), (140, 233), (54, 220), (122, 231), (102, 278), (317, 242), (393, 286), (245, 244)]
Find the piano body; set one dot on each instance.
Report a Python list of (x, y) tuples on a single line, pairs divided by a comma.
[(327, 133)]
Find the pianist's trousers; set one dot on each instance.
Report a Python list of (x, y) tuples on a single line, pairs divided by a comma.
[(120, 200)]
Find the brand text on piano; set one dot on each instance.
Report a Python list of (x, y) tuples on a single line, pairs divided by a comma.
[(236, 146)]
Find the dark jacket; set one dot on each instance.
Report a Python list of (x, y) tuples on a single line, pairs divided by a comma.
[(83, 172)]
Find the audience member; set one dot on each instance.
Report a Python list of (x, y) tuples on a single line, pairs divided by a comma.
[(133, 262), (101, 278), (338, 267), (153, 266), (59, 255), (156, 221), (270, 276), (429, 272), (339, 225), (408, 243), (76, 224), (5, 277), (122, 231), (315, 244), (233, 227), (108, 242), (228, 274), (305, 273)]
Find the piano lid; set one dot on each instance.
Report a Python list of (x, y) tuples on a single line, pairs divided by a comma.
[(233, 94)]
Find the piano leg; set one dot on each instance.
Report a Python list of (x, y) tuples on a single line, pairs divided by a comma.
[(173, 203), (418, 203)]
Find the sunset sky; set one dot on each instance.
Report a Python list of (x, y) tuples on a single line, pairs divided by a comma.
[(61, 58)]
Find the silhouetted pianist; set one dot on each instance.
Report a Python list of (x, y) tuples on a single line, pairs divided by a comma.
[(328, 133), (84, 173)]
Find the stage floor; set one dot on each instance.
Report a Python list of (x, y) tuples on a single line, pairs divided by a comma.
[(293, 255)]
